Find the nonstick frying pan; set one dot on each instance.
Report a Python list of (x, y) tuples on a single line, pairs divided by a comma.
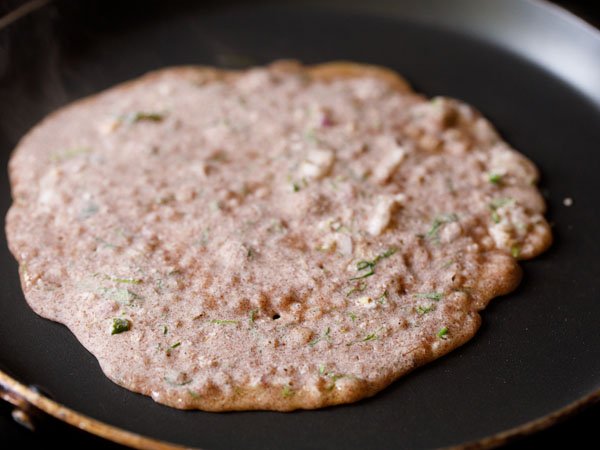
[(534, 71)]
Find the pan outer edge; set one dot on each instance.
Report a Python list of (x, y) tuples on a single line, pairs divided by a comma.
[(21, 395), (15, 392)]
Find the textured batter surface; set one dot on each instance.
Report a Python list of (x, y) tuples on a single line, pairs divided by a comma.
[(279, 238)]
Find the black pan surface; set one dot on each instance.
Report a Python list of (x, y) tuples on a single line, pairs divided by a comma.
[(534, 72)]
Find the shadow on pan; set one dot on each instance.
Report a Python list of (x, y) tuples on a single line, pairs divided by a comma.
[(537, 349)]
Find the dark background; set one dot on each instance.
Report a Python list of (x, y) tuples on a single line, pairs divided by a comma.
[(578, 431)]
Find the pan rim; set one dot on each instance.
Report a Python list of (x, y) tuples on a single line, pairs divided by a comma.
[(132, 439), (119, 435)]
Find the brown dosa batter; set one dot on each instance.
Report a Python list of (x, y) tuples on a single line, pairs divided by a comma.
[(278, 238)]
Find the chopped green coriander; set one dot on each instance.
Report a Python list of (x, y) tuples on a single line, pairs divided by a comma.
[(126, 280), (224, 322), (361, 265), (437, 296), (69, 153), (352, 316), (88, 211), (287, 391), (193, 394), (442, 334), (165, 329), (500, 202), (370, 337), (325, 335), (133, 117), (497, 203), (383, 298), (495, 178), (119, 325), (172, 347), (277, 226), (438, 222), (321, 369), (389, 252), (253, 315), (515, 251), (368, 267), (424, 309), (367, 274), (334, 377), (297, 185), (448, 264), (358, 287)]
